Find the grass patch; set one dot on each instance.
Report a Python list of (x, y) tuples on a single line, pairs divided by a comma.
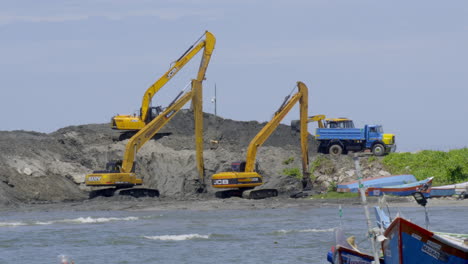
[(295, 172), (335, 195), (372, 159), (446, 167), (324, 164), (288, 161)]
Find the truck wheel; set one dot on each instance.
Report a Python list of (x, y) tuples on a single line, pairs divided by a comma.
[(378, 150), (335, 150)]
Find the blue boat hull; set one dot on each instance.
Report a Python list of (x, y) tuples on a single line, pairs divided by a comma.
[(383, 181), (442, 192), (344, 255), (409, 243), (402, 190)]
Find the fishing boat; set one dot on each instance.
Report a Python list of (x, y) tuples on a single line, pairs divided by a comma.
[(353, 186), (346, 251), (402, 189), (409, 243), (342, 255), (449, 190), (442, 191), (403, 242)]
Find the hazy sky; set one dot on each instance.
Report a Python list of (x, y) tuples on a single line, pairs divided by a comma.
[(402, 64)]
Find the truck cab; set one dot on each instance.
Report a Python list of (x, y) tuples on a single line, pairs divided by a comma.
[(379, 142)]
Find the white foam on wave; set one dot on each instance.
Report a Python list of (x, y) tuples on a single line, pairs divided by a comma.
[(12, 224), (91, 220), (44, 223), (177, 237), (313, 230), (79, 220)]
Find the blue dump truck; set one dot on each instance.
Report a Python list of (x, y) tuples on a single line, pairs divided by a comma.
[(339, 140)]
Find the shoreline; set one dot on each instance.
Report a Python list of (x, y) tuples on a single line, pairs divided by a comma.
[(208, 204)]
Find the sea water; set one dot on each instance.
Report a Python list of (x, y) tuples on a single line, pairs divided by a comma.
[(287, 235)]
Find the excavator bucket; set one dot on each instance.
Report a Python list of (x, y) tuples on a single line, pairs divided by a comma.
[(296, 125)]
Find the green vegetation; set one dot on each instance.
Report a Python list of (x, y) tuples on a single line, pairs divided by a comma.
[(372, 159), (295, 172), (446, 167), (333, 187), (288, 161), (335, 195), (323, 163)]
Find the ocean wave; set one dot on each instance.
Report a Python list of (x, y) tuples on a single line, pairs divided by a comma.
[(6, 224), (313, 230), (92, 220), (79, 220), (178, 237)]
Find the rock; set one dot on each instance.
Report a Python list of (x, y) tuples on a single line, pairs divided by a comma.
[(27, 171), (384, 173)]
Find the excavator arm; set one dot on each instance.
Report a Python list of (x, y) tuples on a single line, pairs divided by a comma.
[(207, 44), (296, 124), (121, 173), (148, 132), (302, 97), (128, 122), (248, 178), (317, 118)]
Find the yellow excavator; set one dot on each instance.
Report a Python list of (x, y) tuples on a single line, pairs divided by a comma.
[(323, 122), (243, 178), (120, 175), (132, 123)]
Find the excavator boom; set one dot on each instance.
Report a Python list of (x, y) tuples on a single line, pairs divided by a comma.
[(121, 173), (129, 122), (208, 44), (149, 131), (246, 178), (270, 127)]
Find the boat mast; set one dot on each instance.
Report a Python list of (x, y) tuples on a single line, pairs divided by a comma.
[(370, 232)]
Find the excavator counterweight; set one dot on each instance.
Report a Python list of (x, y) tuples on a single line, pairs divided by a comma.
[(244, 179)]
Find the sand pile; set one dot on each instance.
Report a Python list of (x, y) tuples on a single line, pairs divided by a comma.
[(38, 167), (51, 167)]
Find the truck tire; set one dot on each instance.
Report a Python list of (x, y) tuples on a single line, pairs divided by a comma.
[(335, 150), (378, 150)]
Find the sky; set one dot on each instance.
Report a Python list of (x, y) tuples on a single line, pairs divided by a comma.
[(401, 64)]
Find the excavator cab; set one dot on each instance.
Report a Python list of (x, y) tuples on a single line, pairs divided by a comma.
[(153, 112), (238, 166), (114, 166), (341, 122)]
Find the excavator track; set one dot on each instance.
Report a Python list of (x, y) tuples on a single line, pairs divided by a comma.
[(259, 194), (102, 192), (247, 193), (134, 192), (228, 194), (138, 192)]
